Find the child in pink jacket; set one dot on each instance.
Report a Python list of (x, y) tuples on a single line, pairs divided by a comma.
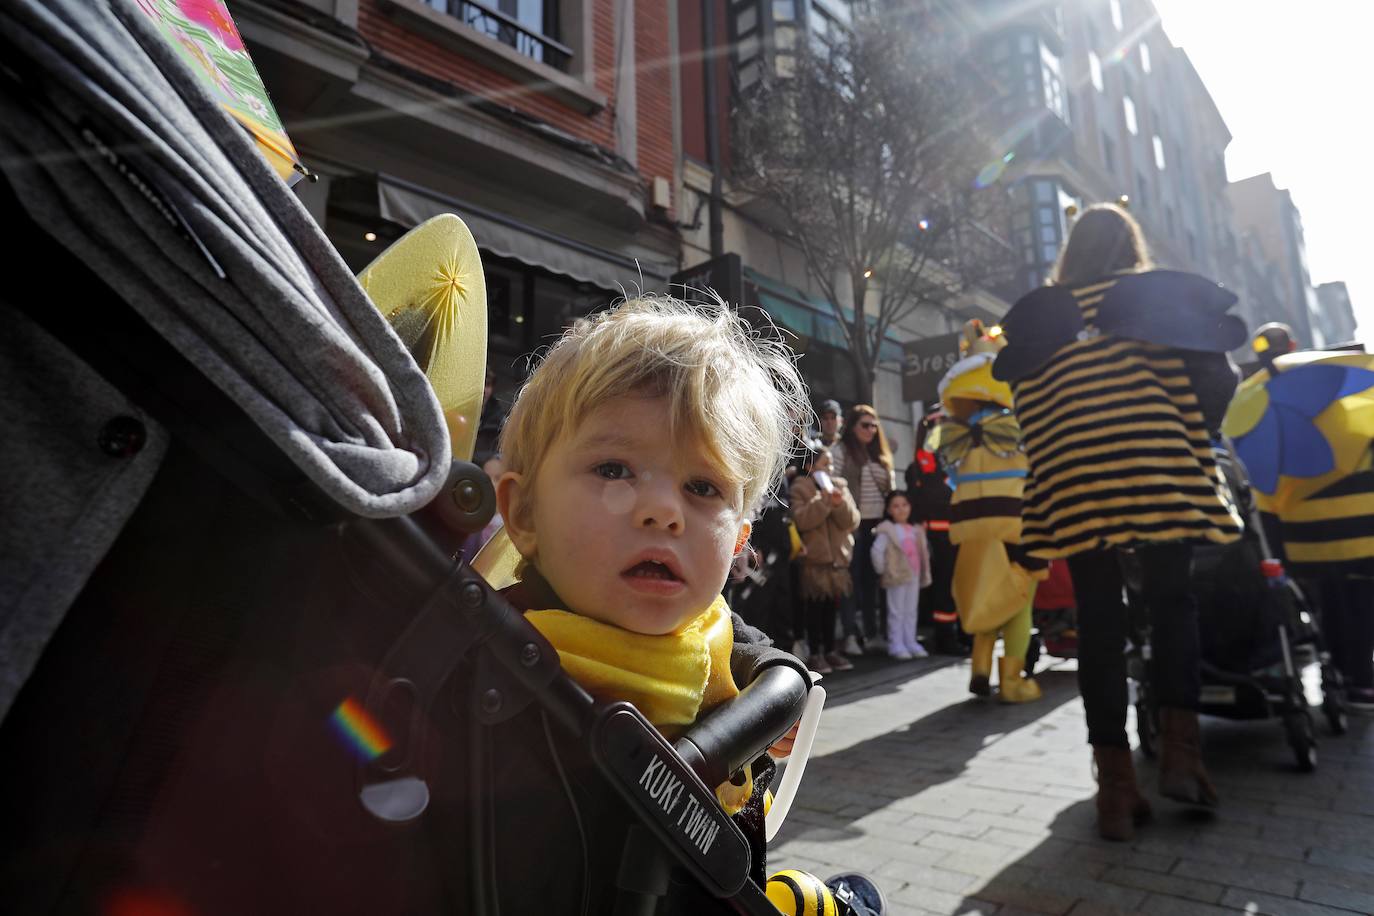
[(901, 557)]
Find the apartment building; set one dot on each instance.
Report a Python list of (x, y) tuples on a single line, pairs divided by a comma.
[(1268, 214), (1335, 316), (1100, 105), (548, 125)]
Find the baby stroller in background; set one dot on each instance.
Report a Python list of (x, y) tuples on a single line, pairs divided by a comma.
[(1054, 616), (1257, 634)]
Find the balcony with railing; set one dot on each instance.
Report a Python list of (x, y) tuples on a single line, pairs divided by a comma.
[(518, 39), (527, 39)]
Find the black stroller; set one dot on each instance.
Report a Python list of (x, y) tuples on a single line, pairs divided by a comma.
[(1258, 635), (168, 744)]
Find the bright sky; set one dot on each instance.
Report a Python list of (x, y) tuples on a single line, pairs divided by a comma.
[(1294, 82)]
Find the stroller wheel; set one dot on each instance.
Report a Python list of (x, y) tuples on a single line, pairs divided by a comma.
[(1302, 738)]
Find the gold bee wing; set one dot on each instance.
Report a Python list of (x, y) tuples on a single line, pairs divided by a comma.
[(429, 284)]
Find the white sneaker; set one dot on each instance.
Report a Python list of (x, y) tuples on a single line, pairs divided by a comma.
[(919, 651), (801, 650), (851, 646), (900, 655)]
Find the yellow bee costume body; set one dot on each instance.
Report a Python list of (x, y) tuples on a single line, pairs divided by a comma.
[(994, 582), (1304, 427)]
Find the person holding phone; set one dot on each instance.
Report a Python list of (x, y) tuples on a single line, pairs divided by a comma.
[(862, 457), (826, 516)]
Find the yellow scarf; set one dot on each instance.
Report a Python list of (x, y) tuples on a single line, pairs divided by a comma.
[(672, 678)]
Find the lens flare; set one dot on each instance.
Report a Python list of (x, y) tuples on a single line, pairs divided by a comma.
[(363, 734)]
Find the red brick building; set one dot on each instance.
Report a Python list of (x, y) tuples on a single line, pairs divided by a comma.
[(548, 125)]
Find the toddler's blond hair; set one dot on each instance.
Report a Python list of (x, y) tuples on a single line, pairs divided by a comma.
[(737, 393)]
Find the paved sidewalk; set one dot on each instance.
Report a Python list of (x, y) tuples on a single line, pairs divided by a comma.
[(960, 806)]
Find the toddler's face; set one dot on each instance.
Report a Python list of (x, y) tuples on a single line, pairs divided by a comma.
[(627, 527)]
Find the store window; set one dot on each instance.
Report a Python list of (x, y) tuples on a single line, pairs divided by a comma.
[(528, 308)]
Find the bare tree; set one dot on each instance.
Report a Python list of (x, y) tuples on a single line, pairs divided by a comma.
[(867, 146)]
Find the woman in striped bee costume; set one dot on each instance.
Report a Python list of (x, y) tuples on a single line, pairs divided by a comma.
[(1119, 373)]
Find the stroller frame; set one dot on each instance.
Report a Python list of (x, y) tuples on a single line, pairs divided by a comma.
[(1276, 690), (459, 620)]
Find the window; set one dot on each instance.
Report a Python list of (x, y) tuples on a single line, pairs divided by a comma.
[(1128, 108), (527, 306), (1159, 153), (824, 28), (528, 26), (1095, 70), (1109, 153), (838, 10), (1116, 15), (1144, 58), (1053, 83)]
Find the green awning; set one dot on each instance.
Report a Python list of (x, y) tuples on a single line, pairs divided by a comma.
[(810, 316)]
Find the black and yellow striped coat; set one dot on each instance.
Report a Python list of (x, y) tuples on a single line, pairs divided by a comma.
[(1118, 448)]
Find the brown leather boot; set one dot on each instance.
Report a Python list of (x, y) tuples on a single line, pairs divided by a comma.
[(1120, 806), (1182, 776)]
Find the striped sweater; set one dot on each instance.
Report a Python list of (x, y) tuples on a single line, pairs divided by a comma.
[(1118, 450)]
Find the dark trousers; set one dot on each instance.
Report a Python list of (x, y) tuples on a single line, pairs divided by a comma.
[(1102, 630), (820, 623), (866, 591), (1347, 606)]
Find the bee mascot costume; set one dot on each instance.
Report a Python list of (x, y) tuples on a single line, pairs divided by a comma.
[(979, 443)]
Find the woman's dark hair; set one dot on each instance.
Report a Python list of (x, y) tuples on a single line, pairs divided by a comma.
[(854, 451), (1104, 240), (887, 502)]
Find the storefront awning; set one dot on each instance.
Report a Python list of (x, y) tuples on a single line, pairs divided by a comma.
[(807, 315), (406, 204)]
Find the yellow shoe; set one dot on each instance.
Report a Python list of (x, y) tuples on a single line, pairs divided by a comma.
[(1012, 687)]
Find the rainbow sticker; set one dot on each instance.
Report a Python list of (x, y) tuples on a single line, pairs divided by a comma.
[(362, 733)]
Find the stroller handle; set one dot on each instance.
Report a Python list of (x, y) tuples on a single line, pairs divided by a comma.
[(736, 732)]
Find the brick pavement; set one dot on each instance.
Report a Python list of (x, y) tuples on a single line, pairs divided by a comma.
[(961, 806)]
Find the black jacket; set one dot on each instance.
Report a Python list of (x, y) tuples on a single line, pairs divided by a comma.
[(1166, 307)]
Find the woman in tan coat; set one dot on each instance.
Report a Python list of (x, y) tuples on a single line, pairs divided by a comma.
[(826, 516)]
